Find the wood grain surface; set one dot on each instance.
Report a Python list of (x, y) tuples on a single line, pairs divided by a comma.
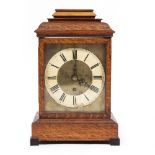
[(74, 129), (74, 28), (73, 126)]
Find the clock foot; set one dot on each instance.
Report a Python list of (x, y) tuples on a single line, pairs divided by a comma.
[(114, 142), (34, 141)]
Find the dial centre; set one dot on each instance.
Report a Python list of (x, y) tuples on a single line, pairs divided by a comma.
[(69, 77), (74, 78)]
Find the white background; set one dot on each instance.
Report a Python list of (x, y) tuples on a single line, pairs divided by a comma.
[(133, 74)]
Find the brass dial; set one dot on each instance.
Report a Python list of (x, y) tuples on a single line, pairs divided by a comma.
[(74, 77)]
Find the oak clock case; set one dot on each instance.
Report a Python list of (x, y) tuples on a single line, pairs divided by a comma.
[(74, 80)]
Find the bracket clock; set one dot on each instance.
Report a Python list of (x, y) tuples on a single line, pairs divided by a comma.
[(74, 80)]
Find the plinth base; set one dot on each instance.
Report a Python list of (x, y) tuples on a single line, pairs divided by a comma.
[(74, 131)]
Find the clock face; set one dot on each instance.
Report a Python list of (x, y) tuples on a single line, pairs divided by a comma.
[(74, 77)]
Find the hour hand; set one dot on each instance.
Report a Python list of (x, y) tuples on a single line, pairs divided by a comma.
[(74, 77)]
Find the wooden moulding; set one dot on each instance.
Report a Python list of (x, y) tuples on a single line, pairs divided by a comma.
[(59, 13), (73, 14), (74, 28), (74, 10), (71, 130)]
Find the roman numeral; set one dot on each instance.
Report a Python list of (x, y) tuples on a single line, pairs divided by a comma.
[(63, 57), (86, 57), (62, 98), (86, 97), (52, 78), (74, 54), (55, 88), (92, 67), (54, 66), (97, 77), (74, 100), (94, 89)]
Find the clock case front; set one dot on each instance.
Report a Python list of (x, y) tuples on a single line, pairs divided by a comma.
[(75, 28)]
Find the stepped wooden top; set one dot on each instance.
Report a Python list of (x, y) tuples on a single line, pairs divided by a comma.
[(76, 13), (74, 22)]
